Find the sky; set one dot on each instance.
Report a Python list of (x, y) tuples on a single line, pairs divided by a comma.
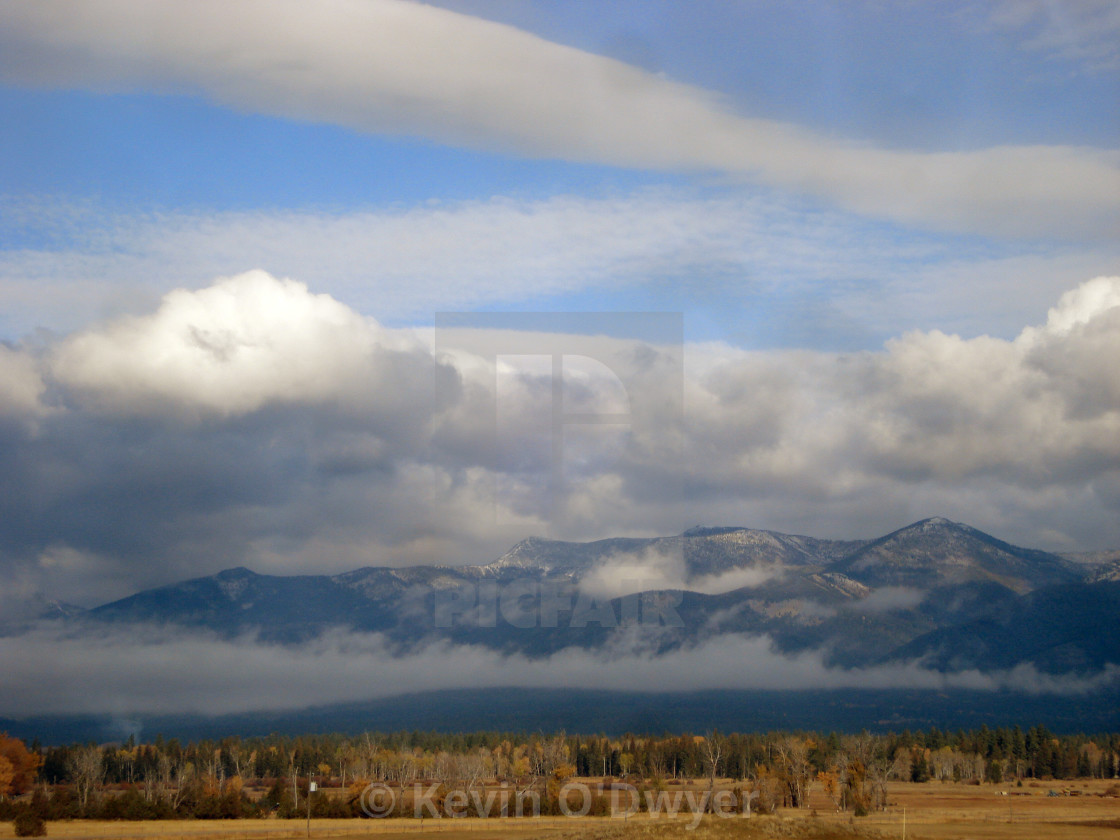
[(288, 285)]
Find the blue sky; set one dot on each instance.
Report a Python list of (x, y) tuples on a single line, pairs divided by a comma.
[(927, 76), (924, 75), (890, 229), (136, 140)]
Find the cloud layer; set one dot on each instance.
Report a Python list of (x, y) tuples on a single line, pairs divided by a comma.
[(762, 270), (658, 569), (164, 672), (257, 422), (398, 67)]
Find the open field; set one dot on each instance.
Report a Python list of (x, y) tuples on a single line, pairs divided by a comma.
[(935, 811), (387, 829)]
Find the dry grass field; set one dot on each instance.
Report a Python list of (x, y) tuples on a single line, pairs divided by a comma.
[(967, 811), (934, 811)]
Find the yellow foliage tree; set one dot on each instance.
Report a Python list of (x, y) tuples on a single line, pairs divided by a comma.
[(7, 773), (23, 762)]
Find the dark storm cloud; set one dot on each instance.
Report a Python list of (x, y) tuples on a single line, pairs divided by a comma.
[(135, 453)]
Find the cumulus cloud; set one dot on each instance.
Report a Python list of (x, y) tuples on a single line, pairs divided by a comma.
[(1081, 305), (298, 458), (400, 67), (230, 348), (257, 423), (164, 670), (931, 405)]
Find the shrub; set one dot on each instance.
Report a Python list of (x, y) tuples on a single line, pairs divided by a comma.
[(30, 824)]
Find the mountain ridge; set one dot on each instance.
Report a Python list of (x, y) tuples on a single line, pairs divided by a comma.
[(911, 594), (547, 555)]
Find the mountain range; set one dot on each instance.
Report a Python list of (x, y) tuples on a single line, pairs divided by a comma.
[(939, 593)]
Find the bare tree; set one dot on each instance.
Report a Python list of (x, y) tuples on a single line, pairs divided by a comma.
[(878, 772), (858, 787), (503, 758), (402, 768), (941, 763), (344, 755), (87, 768), (712, 751), (173, 775), (237, 755), (473, 768), (215, 769), (370, 750), (979, 765), (554, 753), (796, 771), (165, 770), (445, 768), (902, 768), (766, 788), (127, 757)]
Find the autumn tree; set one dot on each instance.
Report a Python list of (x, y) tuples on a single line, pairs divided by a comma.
[(830, 782), (7, 773), (796, 770), (22, 764)]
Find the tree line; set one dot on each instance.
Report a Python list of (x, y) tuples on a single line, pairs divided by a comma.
[(243, 777)]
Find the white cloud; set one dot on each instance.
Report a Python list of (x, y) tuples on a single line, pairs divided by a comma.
[(659, 568), (992, 294), (1081, 305), (761, 269), (230, 348), (316, 444), (443, 257), (1085, 32), (168, 670), (323, 446), (887, 598), (402, 67), (931, 406)]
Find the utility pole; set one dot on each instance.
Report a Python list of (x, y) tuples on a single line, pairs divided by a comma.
[(311, 788)]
